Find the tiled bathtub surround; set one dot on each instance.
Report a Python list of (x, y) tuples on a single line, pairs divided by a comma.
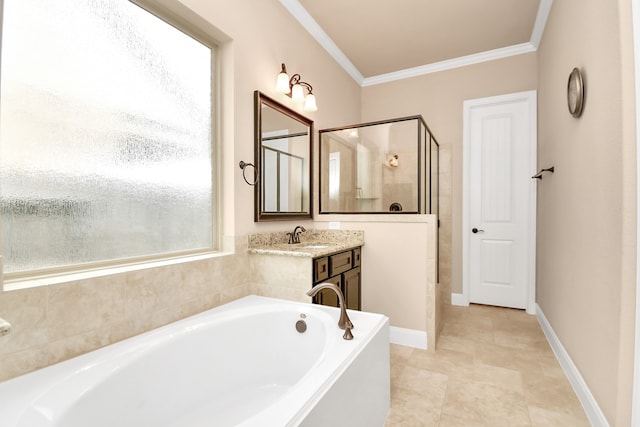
[(54, 323)]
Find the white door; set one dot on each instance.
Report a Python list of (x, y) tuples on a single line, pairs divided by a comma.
[(499, 200)]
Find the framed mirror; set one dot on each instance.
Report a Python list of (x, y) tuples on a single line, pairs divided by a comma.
[(283, 157)]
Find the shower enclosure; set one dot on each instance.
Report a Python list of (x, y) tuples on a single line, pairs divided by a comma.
[(388, 166)]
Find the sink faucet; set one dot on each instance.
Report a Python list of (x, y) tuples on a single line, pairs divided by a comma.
[(344, 322), (295, 236)]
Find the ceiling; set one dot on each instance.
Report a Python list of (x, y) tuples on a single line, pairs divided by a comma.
[(378, 41)]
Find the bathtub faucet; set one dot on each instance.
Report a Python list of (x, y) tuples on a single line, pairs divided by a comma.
[(295, 236), (344, 322)]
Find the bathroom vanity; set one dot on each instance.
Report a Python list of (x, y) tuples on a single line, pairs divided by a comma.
[(288, 271), (343, 270)]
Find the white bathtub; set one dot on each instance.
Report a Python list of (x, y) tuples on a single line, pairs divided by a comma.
[(241, 364)]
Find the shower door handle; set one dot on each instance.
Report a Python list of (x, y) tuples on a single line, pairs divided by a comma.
[(475, 230)]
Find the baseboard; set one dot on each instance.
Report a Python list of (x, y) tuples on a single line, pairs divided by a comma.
[(408, 337), (459, 299), (591, 407)]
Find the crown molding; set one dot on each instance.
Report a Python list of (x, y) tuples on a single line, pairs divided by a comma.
[(541, 20), (306, 20), (449, 64)]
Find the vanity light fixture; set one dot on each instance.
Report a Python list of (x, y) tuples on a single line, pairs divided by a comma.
[(294, 88)]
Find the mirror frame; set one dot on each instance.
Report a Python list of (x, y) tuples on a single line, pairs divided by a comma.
[(259, 100)]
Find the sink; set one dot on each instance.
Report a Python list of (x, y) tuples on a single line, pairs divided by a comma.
[(305, 245), (317, 245)]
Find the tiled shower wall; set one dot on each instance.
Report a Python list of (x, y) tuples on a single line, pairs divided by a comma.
[(446, 221), (54, 323)]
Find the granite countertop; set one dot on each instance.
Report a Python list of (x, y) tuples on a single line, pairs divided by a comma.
[(313, 243)]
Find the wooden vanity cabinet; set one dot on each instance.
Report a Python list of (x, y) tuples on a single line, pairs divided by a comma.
[(351, 281), (343, 270)]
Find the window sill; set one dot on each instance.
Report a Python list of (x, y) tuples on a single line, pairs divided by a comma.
[(90, 273)]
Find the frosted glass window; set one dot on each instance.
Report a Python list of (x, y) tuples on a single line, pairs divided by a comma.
[(105, 135)]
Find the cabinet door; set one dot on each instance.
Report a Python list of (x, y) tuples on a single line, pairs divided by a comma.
[(320, 269), (327, 296), (351, 288), (339, 263)]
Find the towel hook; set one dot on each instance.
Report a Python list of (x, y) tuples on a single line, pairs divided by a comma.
[(243, 166), (539, 174)]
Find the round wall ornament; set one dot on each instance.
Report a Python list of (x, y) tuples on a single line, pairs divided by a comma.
[(575, 92)]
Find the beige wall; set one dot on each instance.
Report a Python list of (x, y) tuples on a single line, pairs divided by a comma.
[(264, 34), (56, 322), (439, 97), (586, 209)]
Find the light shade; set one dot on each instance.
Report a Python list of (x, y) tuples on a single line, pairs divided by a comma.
[(297, 93), (282, 84), (310, 103)]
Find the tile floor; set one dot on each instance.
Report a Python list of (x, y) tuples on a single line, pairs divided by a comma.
[(492, 367)]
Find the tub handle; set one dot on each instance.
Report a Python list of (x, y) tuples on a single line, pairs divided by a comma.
[(347, 334)]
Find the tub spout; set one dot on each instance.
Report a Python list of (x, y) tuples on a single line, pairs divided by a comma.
[(344, 322)]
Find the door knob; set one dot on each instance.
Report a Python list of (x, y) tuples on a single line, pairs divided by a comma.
[(475, 230)]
